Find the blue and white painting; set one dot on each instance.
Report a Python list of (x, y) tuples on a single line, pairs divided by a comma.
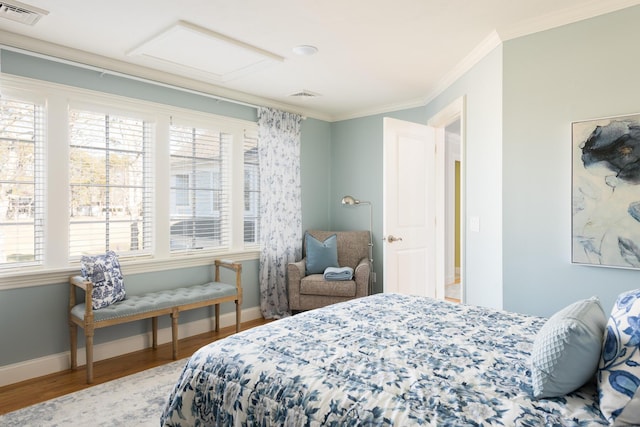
[(606, 192)]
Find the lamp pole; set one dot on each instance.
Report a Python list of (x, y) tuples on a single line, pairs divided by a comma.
[(352, 201)]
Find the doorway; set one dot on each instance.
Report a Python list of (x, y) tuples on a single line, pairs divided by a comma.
[(451, 121), (453, 166)]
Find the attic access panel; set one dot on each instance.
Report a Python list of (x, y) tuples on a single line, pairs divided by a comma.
[(204, 53)]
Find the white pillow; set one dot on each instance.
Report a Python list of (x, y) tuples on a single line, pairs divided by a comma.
[(619, 368), (567, 348), (104, 271)]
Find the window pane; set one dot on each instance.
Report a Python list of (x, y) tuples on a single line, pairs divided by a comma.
[(21, 183), (199, 194), (110, 197), (251, 189)]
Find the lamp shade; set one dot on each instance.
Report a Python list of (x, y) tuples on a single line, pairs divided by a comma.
[(349, 200)]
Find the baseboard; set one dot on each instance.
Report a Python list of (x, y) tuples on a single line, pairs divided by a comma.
[(21, 371)]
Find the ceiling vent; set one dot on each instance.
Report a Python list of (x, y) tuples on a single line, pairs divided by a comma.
[(21, 12), (304, 94)]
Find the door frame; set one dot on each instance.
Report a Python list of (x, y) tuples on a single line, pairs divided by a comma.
[(441, 120)]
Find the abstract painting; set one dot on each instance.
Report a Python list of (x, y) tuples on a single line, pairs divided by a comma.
[(606, 192)]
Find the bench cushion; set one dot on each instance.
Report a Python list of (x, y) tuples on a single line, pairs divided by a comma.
[(151, 301)]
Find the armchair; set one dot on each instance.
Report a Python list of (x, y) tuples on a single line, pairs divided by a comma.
[(312, 291)]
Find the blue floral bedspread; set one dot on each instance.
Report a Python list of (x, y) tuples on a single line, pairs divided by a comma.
[(387, 359)]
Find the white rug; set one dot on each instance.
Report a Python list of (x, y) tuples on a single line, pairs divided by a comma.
[(135, 400)]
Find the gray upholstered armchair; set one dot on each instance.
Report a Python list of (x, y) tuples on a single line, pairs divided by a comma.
[(308, 292)]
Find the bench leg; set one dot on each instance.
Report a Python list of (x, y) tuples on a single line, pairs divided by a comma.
[(217, 306), (174, 332), (89, 350), (154, 327), (238, 311), (73, 333)]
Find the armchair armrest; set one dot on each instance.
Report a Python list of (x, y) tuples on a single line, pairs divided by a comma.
[(361, 276)]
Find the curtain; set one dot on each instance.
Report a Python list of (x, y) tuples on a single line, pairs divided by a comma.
[(280, 206)]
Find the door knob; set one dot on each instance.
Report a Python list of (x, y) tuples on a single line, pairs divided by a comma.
[(392, 238)]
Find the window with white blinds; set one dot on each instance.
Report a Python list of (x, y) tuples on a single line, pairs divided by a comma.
[(251, 188), (200, 188), (82, 173), (21, 183), (109, 184)]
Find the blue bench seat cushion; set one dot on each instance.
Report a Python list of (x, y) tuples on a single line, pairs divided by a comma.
[(136, 304)]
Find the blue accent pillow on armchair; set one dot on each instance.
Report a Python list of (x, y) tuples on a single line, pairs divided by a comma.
[(321, 255)]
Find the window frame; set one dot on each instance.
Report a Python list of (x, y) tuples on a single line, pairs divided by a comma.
[(58, 100)]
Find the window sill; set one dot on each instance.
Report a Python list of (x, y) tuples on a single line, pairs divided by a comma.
[(47, 276)]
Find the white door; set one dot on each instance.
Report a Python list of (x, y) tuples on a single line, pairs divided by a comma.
[(411, 192)]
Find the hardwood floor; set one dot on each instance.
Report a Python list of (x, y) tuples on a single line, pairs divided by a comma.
[(20, 395)]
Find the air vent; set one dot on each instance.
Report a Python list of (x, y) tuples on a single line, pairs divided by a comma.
[(305, 94), (21, 12)]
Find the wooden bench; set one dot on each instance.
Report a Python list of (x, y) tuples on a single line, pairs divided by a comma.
[(150, 305)]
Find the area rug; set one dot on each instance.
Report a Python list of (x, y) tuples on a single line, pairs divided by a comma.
[(135, 400)]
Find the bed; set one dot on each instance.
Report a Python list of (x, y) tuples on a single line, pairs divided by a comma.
[(386, 359)]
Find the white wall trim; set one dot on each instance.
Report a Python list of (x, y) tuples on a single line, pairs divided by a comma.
[(28, 369)]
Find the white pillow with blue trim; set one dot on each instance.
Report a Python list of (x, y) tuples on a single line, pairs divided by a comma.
[(567, 348), (619, 368), (105, 274)]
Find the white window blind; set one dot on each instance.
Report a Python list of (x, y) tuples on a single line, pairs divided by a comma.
[(110, 191), (21, 183), (251, 188), (200, 189)]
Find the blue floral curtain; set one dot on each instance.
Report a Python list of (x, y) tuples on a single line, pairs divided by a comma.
[(280, 206)]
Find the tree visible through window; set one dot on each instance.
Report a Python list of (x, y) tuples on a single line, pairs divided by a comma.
[(21, 183), (109, 192)]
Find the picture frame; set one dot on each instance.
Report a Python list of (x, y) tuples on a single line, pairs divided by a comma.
[(606, 192)]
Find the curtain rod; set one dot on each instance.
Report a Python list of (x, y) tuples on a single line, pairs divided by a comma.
[(104, 71)]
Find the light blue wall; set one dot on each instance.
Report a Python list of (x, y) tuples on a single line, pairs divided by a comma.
[(576, 72), (34, 319), (315, 155)]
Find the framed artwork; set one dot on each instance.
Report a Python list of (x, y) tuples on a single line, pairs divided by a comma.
[(606, 192)]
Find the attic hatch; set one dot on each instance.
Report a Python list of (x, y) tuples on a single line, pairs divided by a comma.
[(20, 12), (202, 58)]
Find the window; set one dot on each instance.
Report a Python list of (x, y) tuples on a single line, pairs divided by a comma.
[(251, 188), (200, 167), (83, 172), (110, 195), (21, 183)]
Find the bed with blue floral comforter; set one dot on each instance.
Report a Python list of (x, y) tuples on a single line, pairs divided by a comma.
[(386, 359)]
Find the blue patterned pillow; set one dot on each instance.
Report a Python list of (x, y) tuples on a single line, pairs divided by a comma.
[(567, 349), (321, 255), (619, 369), (105, 274)]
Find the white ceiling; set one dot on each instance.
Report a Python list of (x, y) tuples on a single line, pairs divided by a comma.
[(374, 55)]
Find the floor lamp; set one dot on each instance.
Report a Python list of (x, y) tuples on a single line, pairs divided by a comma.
[(352, 201)]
